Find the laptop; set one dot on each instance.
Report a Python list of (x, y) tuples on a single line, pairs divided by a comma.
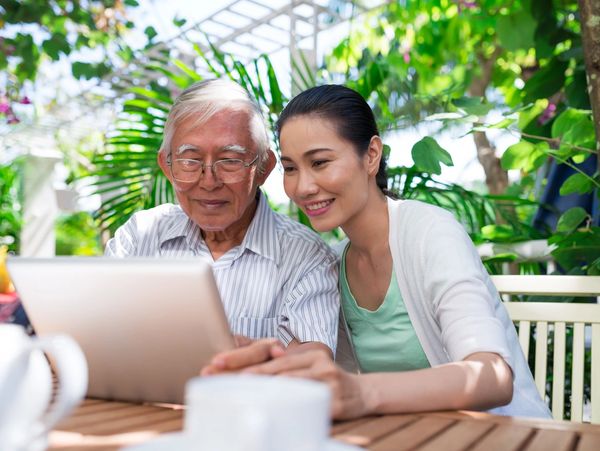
[(146, 326)]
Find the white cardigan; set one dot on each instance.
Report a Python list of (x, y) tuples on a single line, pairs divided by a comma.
[(451, 301)]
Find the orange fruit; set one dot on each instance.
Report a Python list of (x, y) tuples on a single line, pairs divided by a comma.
[(5, 284)]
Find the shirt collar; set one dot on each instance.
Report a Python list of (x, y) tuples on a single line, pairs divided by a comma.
[(182, 226), (261, 237)]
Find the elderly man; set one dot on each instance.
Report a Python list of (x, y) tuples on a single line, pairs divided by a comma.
[(276, 277)]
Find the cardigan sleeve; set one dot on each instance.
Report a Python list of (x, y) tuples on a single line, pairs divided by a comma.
[(454, 283)]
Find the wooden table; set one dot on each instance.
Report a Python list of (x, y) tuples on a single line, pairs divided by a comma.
[(104, 425)]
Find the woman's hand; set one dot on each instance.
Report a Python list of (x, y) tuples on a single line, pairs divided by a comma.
[(248, 352), (350, 396)]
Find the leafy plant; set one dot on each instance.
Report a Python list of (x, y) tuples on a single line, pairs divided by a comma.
[(77, 234), (576, 240), (126, 173), (35, 31), (475, 211), (10, 205), (455, 63)]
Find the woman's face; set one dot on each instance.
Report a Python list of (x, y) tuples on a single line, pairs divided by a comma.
[(323, 173)]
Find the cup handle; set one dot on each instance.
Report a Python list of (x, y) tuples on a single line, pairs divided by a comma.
[(71, 367)]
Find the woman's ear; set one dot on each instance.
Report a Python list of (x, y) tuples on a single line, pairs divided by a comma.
[(374, 155)]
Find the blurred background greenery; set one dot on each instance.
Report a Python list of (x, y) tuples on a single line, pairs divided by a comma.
[(510, 78)]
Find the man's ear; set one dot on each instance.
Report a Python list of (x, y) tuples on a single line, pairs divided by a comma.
[(267, 167), (374, 155), (161, 158)]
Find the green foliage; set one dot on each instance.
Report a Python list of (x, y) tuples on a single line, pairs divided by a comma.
[(578, 250), (546, 81), (258, 78), (435, 61), (571, 219), (88, 71), (572, 136), (63, 26), (179, 22), (477, 212), (126, 172), (525, 156), (473, 105), (429, 57), (428, 156), (10, 205), (35, 31), (77, 234), (575, 130), (150, 33), (521, 21), (498, 233), (577, 183)]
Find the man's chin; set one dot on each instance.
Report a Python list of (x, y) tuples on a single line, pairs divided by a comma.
[(210, 221), (212, 227)]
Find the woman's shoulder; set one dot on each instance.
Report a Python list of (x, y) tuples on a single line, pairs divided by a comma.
[(420, 225), (417, 213)]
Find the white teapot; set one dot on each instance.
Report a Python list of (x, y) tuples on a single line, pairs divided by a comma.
[(26, 411)]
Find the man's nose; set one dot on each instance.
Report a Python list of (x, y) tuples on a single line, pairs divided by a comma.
[(208, 178)]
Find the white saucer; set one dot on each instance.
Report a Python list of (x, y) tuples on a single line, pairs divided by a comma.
[(178, 441)]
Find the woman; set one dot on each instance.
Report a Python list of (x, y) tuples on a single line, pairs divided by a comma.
[(426, 322)]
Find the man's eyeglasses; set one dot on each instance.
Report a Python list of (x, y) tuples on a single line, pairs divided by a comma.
[(229, 170)]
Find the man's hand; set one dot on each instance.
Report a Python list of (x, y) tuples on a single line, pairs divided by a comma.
[(295, 347), (248, 353), (242, 340)]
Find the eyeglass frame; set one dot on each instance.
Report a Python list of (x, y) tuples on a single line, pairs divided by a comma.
[(203, 167)]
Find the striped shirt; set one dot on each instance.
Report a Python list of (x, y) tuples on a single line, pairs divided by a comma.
[(281, 281)]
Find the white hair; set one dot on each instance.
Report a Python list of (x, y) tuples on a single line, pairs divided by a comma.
[(206, 98)]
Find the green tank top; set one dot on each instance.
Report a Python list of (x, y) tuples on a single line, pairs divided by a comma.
[(384, 339)]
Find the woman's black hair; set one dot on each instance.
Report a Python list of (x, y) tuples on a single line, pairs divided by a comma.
[(347, 110)]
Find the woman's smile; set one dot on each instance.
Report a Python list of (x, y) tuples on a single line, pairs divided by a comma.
[(318, 208)]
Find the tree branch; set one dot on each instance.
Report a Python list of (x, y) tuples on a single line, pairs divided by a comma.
[(496, 178), (589, 11), (552, 141)]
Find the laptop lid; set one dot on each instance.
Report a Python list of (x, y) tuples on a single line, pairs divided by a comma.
[(145, 325)]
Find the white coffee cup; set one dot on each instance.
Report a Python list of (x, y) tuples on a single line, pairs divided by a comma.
[(257, 413), (26, 411)]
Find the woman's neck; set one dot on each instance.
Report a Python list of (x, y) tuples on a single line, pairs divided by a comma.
[(368, 231)]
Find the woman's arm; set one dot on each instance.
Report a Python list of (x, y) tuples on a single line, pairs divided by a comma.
[(481, 381)]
